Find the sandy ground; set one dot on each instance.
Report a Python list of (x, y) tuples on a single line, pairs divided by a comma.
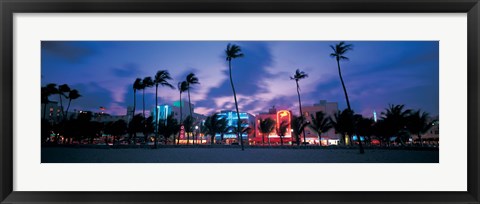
[(234, 155)]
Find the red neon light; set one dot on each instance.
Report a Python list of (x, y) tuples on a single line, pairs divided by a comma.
[(282, 114)]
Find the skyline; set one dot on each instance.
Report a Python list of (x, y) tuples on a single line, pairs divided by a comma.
[(378, 73)]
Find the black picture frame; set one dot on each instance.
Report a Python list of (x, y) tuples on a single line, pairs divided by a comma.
[(10, 7)]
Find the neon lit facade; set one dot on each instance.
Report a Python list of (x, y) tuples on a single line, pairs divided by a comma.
[(284, 115), (247, 119)]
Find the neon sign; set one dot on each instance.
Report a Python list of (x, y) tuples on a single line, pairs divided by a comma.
[(284, 115)]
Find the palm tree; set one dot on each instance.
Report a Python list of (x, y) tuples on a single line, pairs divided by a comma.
[(118, 129), (266, 126), (146, 82), (72, 95), (298, 76), (282, 130), (298, 126), (342, 122), (188, 126), (62, 89), (136, 125), (191, 79), (137, 85), (161, 78), (419, 124), (396, 119), (48, 90), (214, 124), (233, 51), (320, 124), (182, 87), (339, 51), (168, 128)]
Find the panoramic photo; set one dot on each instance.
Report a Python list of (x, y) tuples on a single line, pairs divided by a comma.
[(239, 102)]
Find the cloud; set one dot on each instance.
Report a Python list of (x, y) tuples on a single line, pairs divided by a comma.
[(128, 70), (68, 50)]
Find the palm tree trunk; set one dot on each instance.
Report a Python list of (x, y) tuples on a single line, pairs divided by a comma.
[(190, 109), (236, 103), (181, 117), (301, 112), (420, 138), (156, 116), (348, 103), (144, 120), (61, 105), (133, 114), (319, 139), (68, 107)]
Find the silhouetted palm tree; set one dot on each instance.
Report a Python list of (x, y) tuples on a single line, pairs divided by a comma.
[(146, 83), (419, 124), (365, 127), (62, 90), (298, 126), (72, 95), (168, 128), (282, 130), (136, 125), (182, 87), (191, 79), (342, 122), (339, 51), (137, 85), (320, 124), (161, 78), (298, 76), (214, 124), (119, 128), (266, 126), (233, 51), (47, 91), (188, 127), (396, 119)]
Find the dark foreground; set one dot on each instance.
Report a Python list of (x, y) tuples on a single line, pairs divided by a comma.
[(234, 155)]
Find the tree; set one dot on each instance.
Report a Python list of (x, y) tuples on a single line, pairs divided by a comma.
[(320, 124), (46, 92), (182, 87), (396, 117), (168, 127), (146, 83), (233, 51), (137, 85), (282, 130), (188, 127), (342, 122), (191, 79), (298, 76), (298, 126), (214, 124), (148, 129), (266, 126), (62, 91), (365, 127), (72, 95), (116, 129), (419, 124), (136, 125), (161, 78), (339, 51)]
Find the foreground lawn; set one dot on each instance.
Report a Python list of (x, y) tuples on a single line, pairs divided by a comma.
[(234, 155)]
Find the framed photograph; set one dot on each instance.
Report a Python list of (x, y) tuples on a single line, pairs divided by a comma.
[(254, 102)]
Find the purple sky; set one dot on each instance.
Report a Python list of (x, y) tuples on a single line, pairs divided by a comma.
[(378, 73)]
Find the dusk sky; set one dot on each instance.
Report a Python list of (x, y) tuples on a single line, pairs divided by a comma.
[(378, 73)]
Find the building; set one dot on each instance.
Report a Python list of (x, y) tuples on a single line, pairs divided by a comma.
[(329, 108), (248, 120), (273, 138)]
